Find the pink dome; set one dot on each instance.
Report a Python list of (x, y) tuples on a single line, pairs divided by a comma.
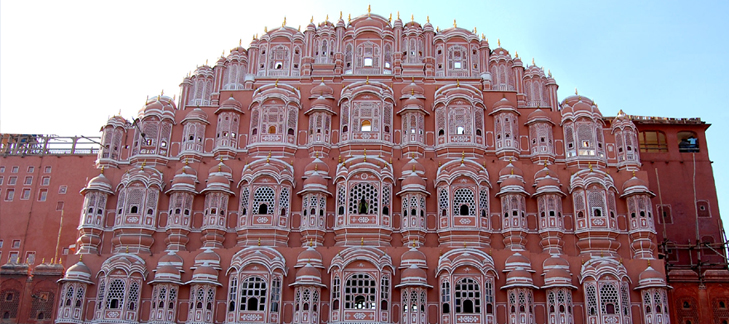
[(220, 167), (651, 278), (503, 103), (414, 273), (412, 89), (322, 90), (557, 275), (413, 180), (204, 271), (507, 170), (315, 179), (79, 268), (512, 181), (634, 182), (412, 101), (198, 114), (317, 165), (309, 256), (231, 103), (320, 101), (308, 271), (547, 181), (99, 180), (413, 257), (538, 115), (517, 260), (413, 164)]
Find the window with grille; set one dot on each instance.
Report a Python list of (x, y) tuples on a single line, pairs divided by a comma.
[(359, 292), (263, 201), (609, 299), (463, 202), (467, 297), (253, 294), (445, 297), (275, 294), (115, 297), (232, 293), (363, 199)]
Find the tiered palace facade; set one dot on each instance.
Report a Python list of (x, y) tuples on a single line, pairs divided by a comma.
[(367, 171)]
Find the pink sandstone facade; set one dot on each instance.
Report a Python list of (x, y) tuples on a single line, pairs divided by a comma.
[(368, 171)]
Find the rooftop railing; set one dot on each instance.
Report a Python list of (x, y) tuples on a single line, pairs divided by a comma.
[(36, 144)]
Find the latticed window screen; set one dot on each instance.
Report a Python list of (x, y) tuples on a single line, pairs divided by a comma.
[(609, 301), (115, 297), (359, 292), (232, 293), (133, 300), (467, 297), (464, 197), (483, 202), (363, 199), (443, 199), (591, 293), (263, 200), (384, 290), (284, 200), (624, 299), (253, 294), (9, 300)]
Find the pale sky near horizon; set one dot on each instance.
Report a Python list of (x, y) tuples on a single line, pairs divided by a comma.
[(66, 66)]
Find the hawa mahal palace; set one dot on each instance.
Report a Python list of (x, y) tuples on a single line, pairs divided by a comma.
[(365, 171)]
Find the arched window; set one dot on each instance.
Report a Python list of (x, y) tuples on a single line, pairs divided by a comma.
[(263, 200), (253, 294), (468, 297), (463, 202), (272, 129), (360, 292), (115, 296)]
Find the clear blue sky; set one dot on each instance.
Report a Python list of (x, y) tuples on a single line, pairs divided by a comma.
[(65, 66)]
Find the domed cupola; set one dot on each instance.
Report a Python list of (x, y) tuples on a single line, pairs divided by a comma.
[(206, 267), (413, 276), (160, 106), (318, 166), (546, 182), (99, 183), (519, 272), (310, 256), (197, 114), (169, 269), (634, 186), (219, 178), (511, 180), (78, 272), (556, 273), (230, 104), (185, 180), (308, 275), (651, 278)]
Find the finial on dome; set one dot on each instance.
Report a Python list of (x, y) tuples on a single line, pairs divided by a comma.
[(589, 165), (275, 85), (268, 158), (312, 19), (127, 250), (311, 243), (361, 242), (327, 18), (498, 40), (369, 10), (454, 23), (475, 31), (52, 260), (516, 53), (465, 245), (549, 72), (81, 258), (349, 18), (143, 164), (43, 260), (367, 81), (633, 173), (265, 29), (463, 156), (365, 155), (576, 92), (412, 92), (186, 161), (412, 17), (458, 83), (340, 15), (102, 169), (206, 62), (427, 18), (259, 241), (437, 29), (413, 167), (390, 19), (649, 262), (533, 61)]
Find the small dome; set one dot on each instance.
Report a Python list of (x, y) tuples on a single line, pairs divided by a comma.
[(231, 103), (317, 165), (413, 257), (320, 101), (308, 271), (315, 180), (557, 276), (414, 273), (412, 101), (548, 182), (503, 103), (538, 115), (512, 181), (322, 90), (220, 168), (413, 166), (511, 169), (517, 260), (117, 121), (309, 256), (413, 180), (197, 114), (79, 269), (555, 261), (411, 90), (651, 278), (204, 271), (99, 180), (634, 182)]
